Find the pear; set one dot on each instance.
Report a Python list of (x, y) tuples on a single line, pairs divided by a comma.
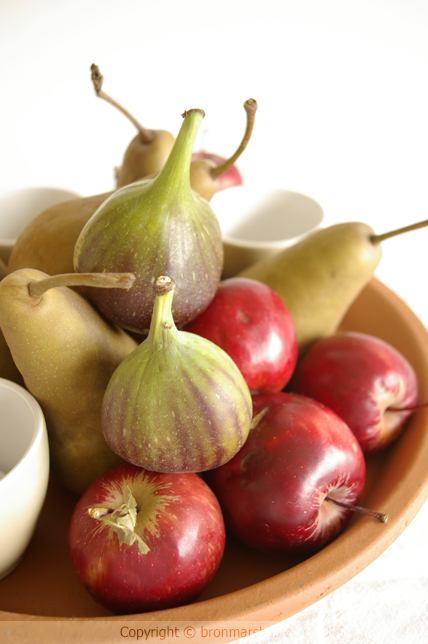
[(205, 173), (148, 150), (3, 268), (155, 227), (47, 242), (66, 353), (319, 277), (178, 402), (8, 368)]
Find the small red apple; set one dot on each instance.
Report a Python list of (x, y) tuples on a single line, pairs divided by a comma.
[(365, 380), (249, 321), (142, 541), (280, 492)]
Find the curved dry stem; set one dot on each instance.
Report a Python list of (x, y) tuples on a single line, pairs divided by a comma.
[(250, 107), (379, 516), (101, 280), (97, 80), (376, 239)]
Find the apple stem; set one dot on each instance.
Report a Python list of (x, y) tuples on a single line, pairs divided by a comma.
[(122, 520), (250, 107), (258, 417), (376, 239), (379, 516), (97, 80), (414, 408), (37, 288)]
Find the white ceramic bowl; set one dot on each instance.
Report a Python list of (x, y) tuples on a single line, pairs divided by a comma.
[(24, 467), (256, 222), (19, 207)]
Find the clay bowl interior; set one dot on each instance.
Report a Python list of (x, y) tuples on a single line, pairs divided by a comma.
[(249, 585)]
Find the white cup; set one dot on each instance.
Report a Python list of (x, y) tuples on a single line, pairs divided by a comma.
[(256, 222), (19, 207), (24, 463)]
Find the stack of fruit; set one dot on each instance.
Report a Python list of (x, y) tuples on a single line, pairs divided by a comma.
[(177, 402)]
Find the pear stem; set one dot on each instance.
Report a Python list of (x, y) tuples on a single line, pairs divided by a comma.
[(97, 80), (250, 107), (379, 516), (376, 239), (102, 280)]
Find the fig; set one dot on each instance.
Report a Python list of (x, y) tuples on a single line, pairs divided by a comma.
[(158, 226), (178, 402)]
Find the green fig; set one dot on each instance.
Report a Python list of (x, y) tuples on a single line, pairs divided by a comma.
[(155, 227), (319, 277), (177, 403), (148, 150), (66, 353)]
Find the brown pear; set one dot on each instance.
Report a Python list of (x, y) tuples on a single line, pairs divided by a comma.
[(148, 150), (47, 242), (8, 368), (66, 353)]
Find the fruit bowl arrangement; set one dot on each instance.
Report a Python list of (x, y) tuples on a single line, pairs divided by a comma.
[(222, 449)]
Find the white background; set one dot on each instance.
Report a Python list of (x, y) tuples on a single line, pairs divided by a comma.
[(342, 88)]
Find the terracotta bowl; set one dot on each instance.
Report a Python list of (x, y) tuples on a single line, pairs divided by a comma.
[(44, 595)]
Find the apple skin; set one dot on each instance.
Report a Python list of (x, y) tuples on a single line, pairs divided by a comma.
[(273, 491), (359, 376), (178, 518), (230, 178), (249, 321)]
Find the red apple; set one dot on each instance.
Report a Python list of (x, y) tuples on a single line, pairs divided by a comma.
[(230, 178), (249, 321), (364, 380), (280, 492), (142, 541)]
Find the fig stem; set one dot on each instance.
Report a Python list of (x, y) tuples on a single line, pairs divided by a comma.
[(97, 80), (164, 284), (174, 177), (162, 317), (376, 239), (250, 107), (102, 280), (379, 516)]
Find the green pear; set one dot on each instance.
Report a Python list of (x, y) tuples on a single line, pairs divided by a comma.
[(66, 353), (319, 277)]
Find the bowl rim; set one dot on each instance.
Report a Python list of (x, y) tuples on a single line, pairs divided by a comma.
[(39, 427)]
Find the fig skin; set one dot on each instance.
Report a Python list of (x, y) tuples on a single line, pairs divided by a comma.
[(155, 227), (178, 402)]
